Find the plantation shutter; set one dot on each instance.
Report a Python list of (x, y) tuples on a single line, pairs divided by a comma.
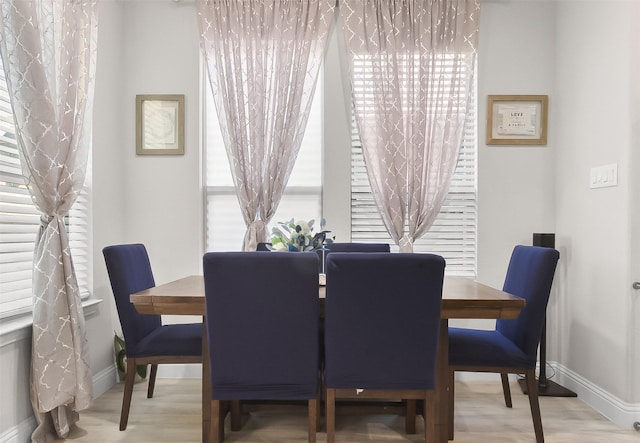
[(453, 234), (20, 221)]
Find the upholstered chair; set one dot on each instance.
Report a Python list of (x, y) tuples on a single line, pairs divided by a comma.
[(147, 340), (511, 348), (262, 321), (382, 317)]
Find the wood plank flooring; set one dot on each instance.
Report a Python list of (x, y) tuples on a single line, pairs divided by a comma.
[(173, 415)]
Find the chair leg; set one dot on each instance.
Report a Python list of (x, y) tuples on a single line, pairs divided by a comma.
[(410, 416), (313, 419), (128, 392), (506, 390), (532, 387), (152, 380), (236, 415), (319, 409), (451, 408), (216, 430), (330, 416), (429, 415)]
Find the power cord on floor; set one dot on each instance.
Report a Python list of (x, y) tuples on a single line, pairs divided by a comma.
[(547, 366)]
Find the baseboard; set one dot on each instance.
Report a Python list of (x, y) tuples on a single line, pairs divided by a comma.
[(180, 371), (478, 376), (104, 380), (21, 433), (619, 412)]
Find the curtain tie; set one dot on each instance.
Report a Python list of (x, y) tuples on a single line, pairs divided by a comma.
[(259, 227), (406, 243), (45, 219), (256, 233)]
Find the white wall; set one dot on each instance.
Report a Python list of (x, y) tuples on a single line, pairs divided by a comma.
[(336, 204), (515, 184), (634, 183), (163, 205), (592, 316), (108, 186), (15, 409)]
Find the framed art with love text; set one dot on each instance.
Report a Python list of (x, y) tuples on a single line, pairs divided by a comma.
[(517, 119)]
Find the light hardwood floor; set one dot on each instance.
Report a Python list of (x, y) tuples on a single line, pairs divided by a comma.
[(173, 415)]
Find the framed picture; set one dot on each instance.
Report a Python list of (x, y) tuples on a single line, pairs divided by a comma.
[(517, 120), (159, 124)]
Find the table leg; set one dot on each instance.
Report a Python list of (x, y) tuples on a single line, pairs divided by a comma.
[(442, 384), (206, 384)]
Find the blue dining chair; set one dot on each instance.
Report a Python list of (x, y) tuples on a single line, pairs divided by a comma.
[(147, 340), (352, 247), (382, 320), (358, 247), (342, 247), (339, 247), (511, 348), (262, 313)]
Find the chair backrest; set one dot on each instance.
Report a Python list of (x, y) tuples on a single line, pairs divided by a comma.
[(338, 247), (382, 318), (130, 271), (358, 247), (262, 322), (343, 247), (351, 247), (529, 275)]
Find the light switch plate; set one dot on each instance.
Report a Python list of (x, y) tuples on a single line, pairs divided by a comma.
[(604, 176)]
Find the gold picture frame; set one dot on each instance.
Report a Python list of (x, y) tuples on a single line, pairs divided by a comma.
[(517, 119), (160, 124)]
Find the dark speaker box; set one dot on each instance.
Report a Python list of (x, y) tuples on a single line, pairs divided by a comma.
[(544, 240)]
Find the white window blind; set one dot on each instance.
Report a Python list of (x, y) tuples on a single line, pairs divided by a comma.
[(20, 221), (302, 199), (453, 234)]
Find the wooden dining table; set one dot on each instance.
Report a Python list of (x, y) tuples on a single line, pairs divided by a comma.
[(462, 298)]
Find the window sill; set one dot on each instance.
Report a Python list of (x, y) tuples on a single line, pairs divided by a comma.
[(19, 328)]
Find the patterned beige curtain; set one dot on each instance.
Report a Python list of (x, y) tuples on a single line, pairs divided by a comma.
[(48, 51), (413, 63), (263, 59)]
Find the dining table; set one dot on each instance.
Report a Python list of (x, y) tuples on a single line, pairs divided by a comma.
[(462, 298)]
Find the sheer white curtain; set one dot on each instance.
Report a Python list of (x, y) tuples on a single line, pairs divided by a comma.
[(48, 51), (263, 59), (417, 59)]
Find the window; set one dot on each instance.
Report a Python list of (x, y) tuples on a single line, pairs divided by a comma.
[(453, 234), (20, 221), (224, 226)]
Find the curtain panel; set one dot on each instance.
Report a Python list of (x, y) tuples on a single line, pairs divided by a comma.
[(263, 59), (48, 51), (415, 61)]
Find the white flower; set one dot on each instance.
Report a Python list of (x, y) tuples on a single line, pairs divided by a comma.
[(297, 236)]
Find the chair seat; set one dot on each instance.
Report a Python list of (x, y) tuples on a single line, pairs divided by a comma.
[(174, 339), (475, 347)]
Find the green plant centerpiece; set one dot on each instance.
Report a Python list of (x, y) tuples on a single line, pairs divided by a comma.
[(298, 236)]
